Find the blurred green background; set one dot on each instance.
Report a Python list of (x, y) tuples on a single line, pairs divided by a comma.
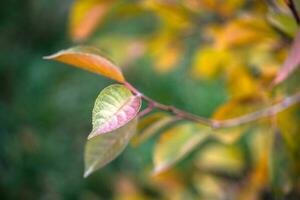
[(45, 107)]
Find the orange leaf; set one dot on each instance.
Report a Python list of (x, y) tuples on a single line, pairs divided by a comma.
[(86, 16), (89, 59)]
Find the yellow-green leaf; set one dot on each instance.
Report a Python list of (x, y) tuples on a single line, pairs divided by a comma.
[(114, 107), (102, 149), (284, 23), (221, 158), (89, 58), (176, 143), (154, 127)]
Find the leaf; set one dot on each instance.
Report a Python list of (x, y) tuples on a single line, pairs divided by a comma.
[(170, 180), (292, 61), (165, 49), (210, 186), (247, 85), (282, 169), (209, 62), (176, 143), (89, 58), (114, 107), (231, 109), (224, 9), (85, 16), (288, 123), (221, 158), (244, 31), (238, 107), (171, 14), (102, 149), (284, 23), (151, 129)]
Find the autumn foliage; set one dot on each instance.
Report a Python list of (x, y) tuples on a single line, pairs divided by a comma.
[(250, 146)]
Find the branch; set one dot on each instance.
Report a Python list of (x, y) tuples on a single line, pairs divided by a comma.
[(267, 112), (292, 7)]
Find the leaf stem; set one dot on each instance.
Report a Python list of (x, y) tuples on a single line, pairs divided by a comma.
[(266, 112), (169, 108), (146, 110)]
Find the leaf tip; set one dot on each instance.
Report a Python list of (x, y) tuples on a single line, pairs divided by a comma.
[(87, 173), (91, 135), (159, 169), (50, 57), (47, 57)]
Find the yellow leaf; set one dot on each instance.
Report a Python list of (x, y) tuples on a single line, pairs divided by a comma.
[(240, 83), (170, 180), (209, 186), (151, 125), (85, 16), (209, 62), (288, 122), (229, 135), (89, 59), (232, 109), (224, 8), (171, 14), (127, 189), (175, 143), (166, 50), (167, 60), (221, 158), (245, 30), (237, 107), (122, 50)]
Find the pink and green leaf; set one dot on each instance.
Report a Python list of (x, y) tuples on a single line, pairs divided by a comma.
[(114, 107)]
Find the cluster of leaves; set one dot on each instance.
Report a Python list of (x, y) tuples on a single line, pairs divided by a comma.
[(244, 43)]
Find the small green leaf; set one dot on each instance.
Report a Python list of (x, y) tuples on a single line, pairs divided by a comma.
[(102, 149), (176, 143), (114, 107), (284, 23)]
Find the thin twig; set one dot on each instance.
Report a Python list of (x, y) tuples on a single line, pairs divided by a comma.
[(267, 112), (146, 110), (292, 7)]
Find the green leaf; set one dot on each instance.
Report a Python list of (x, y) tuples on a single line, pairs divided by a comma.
[(102, 149), (176, 143), (284, 23), (114, 107), (156, 122)]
